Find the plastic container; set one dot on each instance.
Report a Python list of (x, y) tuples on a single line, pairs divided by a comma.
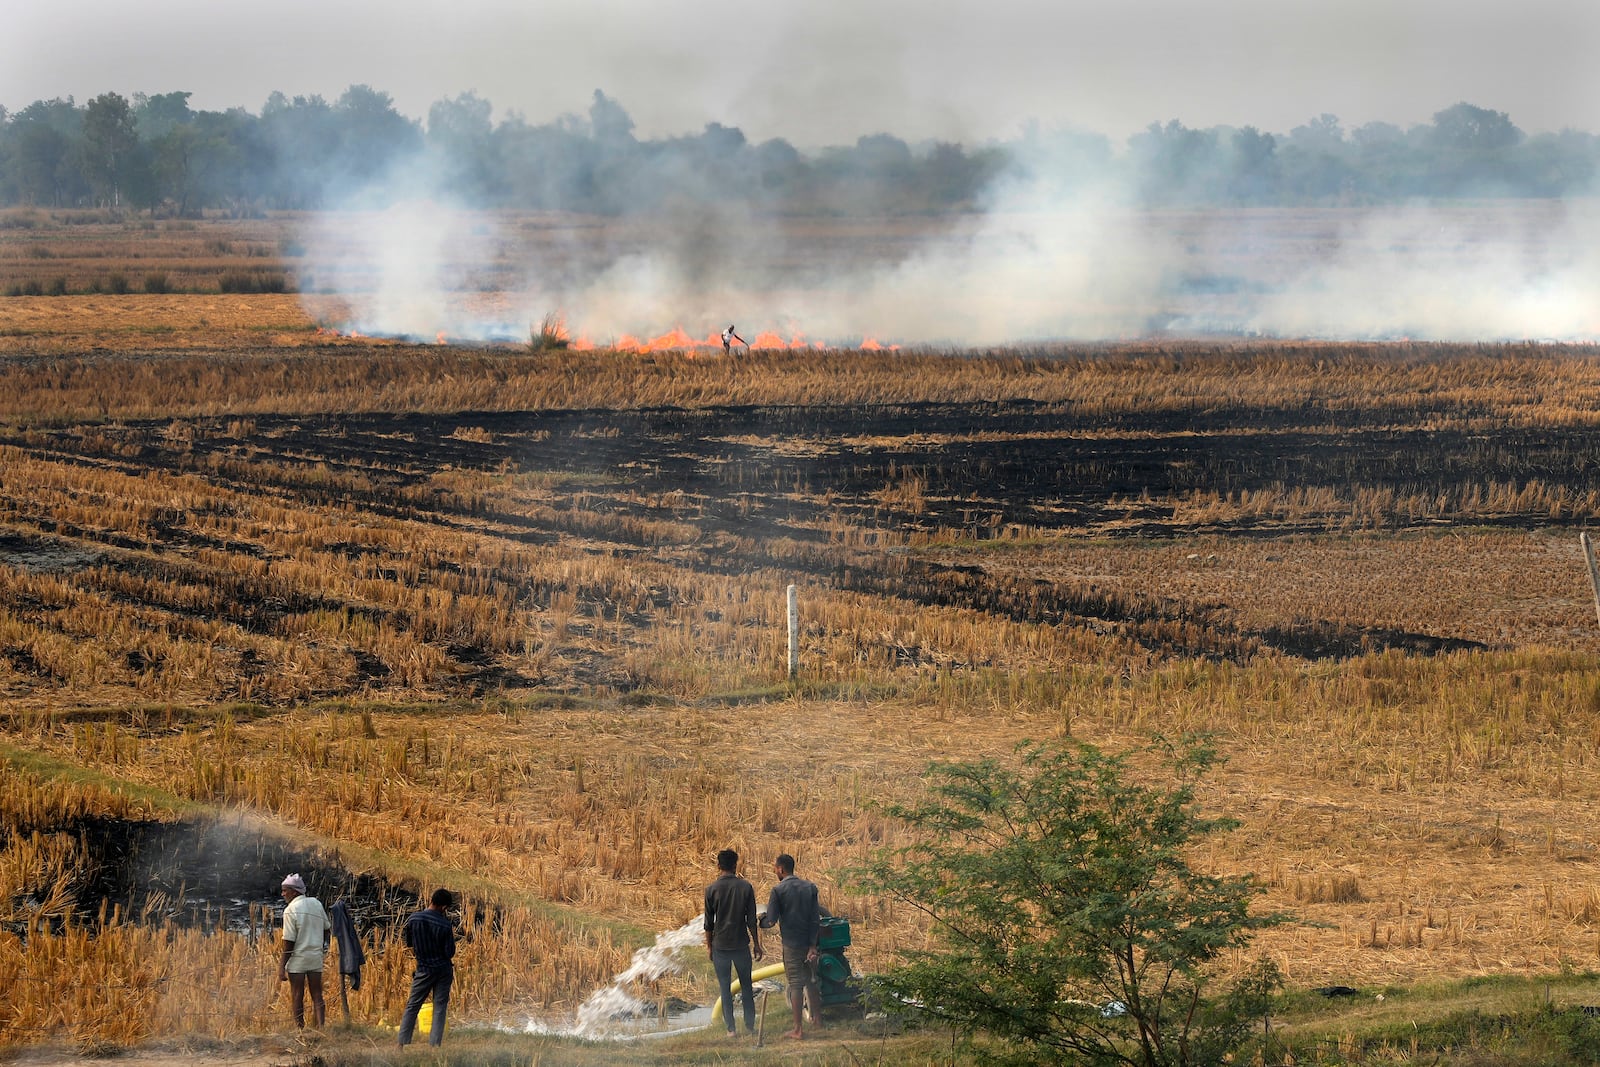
[(425, 1021)]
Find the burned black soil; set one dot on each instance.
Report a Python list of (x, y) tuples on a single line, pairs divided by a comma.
[(209, 874), (742, 490)]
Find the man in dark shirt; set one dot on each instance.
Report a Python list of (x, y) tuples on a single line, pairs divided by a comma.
[(431, 937), (794, 908), (730, 924)]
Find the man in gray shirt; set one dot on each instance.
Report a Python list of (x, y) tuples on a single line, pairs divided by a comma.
[(730, 924), (794, 908)]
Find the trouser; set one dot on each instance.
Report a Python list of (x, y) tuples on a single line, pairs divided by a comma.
[(430, 978), (725, 963)]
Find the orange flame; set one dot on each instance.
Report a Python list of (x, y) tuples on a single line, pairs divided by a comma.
[(675, 340), (678, 340)]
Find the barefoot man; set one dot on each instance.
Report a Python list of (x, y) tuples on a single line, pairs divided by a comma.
[(793, 907), (305, 925)]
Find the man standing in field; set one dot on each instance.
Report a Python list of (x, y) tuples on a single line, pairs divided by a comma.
[(730, 923), (305, 928), (728, 337), (794, 908), (431, 937)]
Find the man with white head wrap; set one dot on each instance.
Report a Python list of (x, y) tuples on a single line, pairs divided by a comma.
[(305, 930)]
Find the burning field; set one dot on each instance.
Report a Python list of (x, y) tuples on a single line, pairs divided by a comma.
[(512, 621)]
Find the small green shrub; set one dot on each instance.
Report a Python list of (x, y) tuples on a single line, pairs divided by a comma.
[(156, 282)]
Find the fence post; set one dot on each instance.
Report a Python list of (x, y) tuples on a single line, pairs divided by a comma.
[(794, 632), (1594, 571)]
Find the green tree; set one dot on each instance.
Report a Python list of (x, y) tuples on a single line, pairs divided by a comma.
[(109, 139), (41, 161), (1069, 924)]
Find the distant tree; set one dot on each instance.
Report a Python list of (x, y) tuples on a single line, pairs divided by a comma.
[(1314, 164), (721, 142), (1253, 166), (1069, 924), (1560, 164), (950, 177), (609, 124), (1322, 134), (232, 161), (160, 114), (461, 139), (371, 135), (109, 141), (1175, 164), (548, 167), (882, 155), (195, 164), (1473, 130), (302, 140), (1387, 165), (39, 163), (1473, 150)]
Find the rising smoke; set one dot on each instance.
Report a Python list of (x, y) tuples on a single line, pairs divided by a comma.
[(1059, 248)]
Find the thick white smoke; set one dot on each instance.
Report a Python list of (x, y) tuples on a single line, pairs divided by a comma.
[(1043, 260), (1492, 270)]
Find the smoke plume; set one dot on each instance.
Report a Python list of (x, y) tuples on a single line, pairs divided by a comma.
[(1059, 247)]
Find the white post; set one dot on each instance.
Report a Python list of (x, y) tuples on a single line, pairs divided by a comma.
[(1594, 571), (794, 631)]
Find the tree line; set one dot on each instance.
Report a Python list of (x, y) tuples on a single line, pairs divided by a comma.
[(154, 153)]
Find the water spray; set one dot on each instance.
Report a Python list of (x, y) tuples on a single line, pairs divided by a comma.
[(609, 1011)]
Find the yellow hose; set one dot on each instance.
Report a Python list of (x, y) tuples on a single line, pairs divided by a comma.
[(756, 975)]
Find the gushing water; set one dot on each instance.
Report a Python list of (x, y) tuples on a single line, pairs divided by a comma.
[(614, 1011)]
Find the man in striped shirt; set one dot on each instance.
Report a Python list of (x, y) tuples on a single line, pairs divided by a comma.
[(431, 937)]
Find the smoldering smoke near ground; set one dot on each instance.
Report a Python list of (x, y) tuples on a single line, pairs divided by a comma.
[(1042, 260)]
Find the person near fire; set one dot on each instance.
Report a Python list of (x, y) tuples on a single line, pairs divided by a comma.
[(305, 934), (794, 908), (730, 925), (431, 937), (729, 336)]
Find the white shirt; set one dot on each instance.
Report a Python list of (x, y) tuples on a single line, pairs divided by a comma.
[(305, 922)]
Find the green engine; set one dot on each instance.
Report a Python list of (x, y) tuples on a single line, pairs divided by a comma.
[(834, 980)]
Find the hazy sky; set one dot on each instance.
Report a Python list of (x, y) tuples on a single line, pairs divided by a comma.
[(827, 71)]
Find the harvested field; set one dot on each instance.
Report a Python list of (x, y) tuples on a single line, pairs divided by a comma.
[(513, 622)]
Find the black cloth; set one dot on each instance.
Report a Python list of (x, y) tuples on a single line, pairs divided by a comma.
[(431, 938), (793, 905), (730, 913), (351, 956)]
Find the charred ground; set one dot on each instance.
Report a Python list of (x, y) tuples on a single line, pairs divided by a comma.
[(894, 501)]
